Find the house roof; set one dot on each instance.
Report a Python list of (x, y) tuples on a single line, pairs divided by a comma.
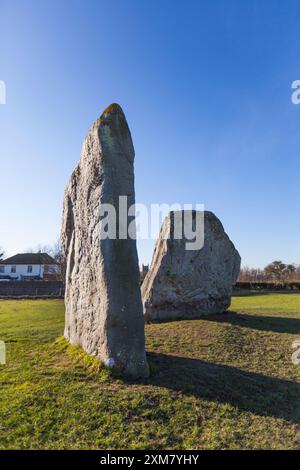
[(29, 258)]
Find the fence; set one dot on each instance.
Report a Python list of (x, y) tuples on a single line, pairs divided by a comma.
[(31, 289), (278, 286)]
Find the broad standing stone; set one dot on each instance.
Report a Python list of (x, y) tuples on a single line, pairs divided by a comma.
[(104, 312), (183, 283)]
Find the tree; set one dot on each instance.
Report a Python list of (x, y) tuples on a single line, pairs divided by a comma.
[(276, 270), (290, 270), (59, 256), (2, 253), (273, 272), (251, 275)]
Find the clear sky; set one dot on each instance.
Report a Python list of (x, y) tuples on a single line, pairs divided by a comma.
[(206, 89)]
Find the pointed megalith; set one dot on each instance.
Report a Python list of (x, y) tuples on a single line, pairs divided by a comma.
[(103, 302), (184, 283)]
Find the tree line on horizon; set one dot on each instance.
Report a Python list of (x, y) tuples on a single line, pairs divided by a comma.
[(277, 271)]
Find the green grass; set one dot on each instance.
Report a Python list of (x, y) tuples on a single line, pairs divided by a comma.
[(268, 303), (224, 382)]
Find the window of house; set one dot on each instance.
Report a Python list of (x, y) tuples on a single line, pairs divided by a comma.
[(13, 269), (29, 269), (2, 269)]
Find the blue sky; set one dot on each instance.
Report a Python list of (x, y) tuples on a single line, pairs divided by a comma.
[(206, 89)]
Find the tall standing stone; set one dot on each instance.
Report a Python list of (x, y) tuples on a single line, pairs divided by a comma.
[(104, 311), (184, 283)]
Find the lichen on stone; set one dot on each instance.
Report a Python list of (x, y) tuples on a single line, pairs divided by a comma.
[(110, 108)]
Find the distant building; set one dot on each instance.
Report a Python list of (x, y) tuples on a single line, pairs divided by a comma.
[(143, 272), (29, 266)]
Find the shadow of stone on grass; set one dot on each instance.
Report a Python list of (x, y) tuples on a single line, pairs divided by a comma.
[(248, 391), (258, 322)]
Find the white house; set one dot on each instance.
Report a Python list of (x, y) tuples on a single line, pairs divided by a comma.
[(27, 266)]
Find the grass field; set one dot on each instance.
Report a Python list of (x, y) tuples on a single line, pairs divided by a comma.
[(224, 382)]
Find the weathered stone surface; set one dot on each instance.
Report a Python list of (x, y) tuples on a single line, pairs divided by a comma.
[(183, 283), (104, 312)]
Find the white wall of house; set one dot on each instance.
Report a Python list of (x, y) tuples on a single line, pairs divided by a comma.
[(22, 270)]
